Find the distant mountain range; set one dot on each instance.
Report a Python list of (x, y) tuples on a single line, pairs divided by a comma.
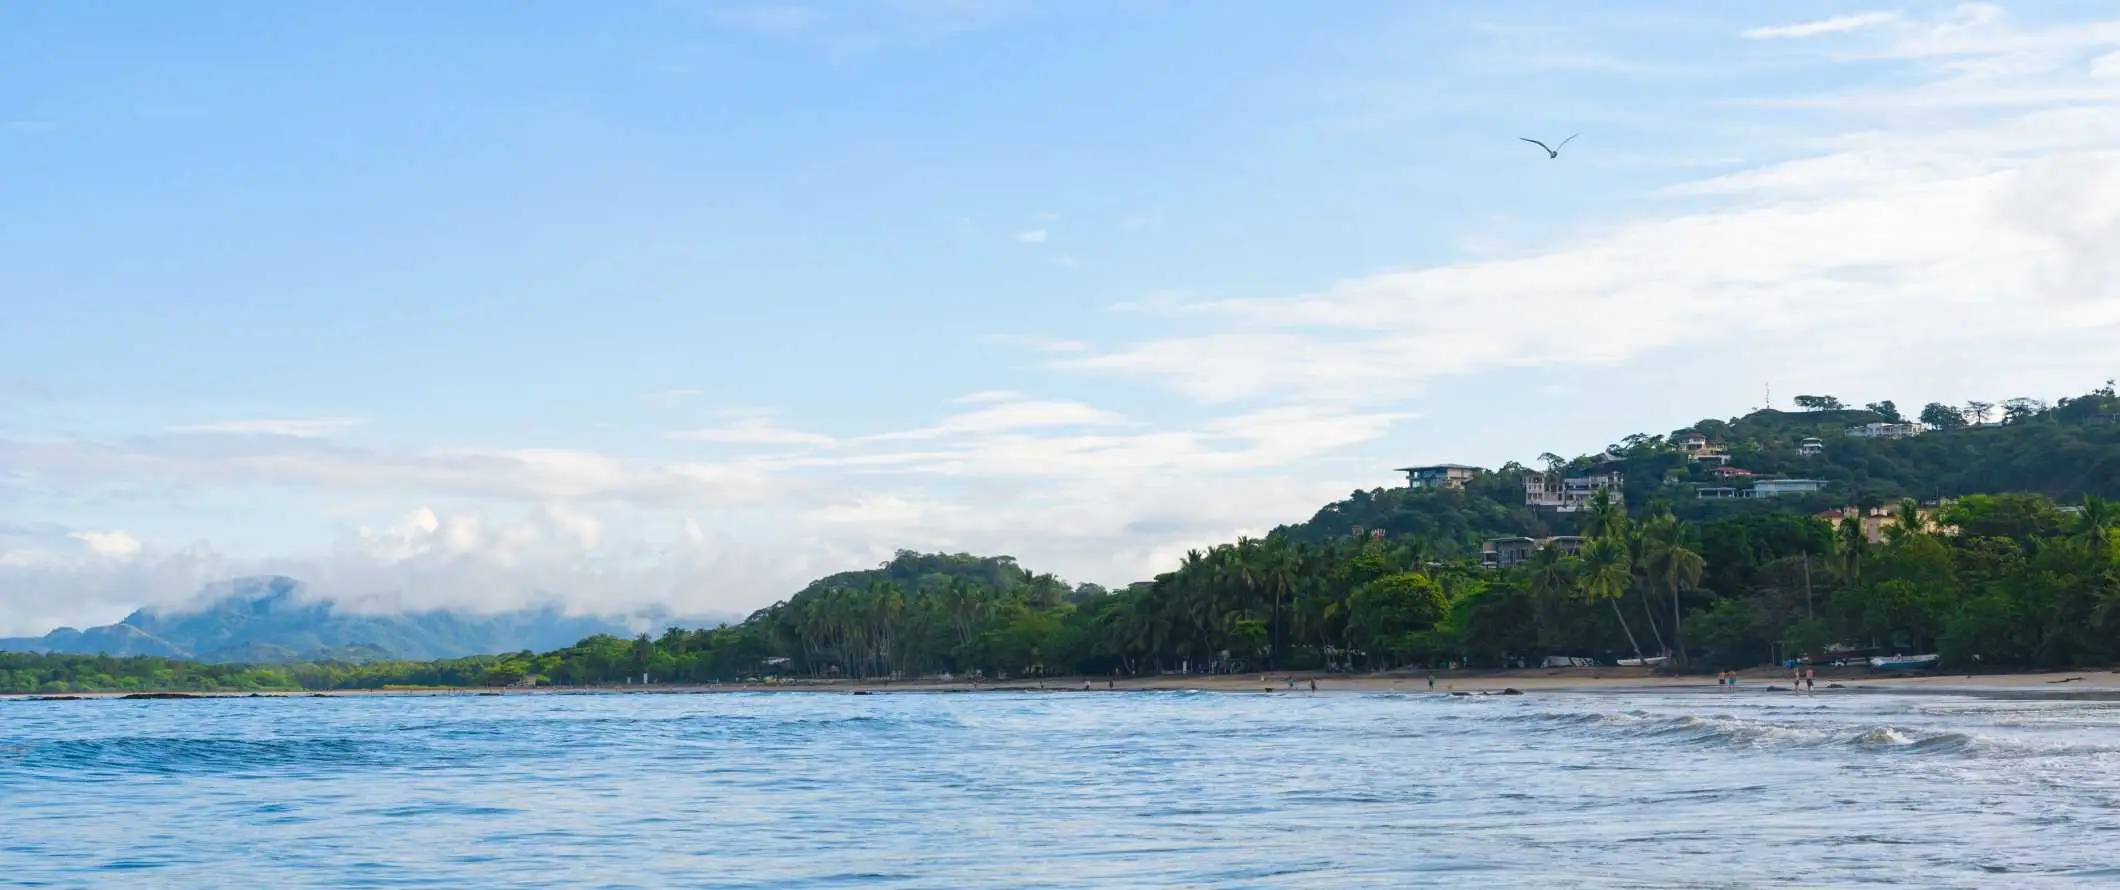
[(266, 620)]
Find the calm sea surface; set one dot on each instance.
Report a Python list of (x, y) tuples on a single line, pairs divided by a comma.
[(1062, 790)]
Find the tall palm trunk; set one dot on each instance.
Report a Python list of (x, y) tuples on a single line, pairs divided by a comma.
[(1678, 638), (1649, 611), (1624, 628)]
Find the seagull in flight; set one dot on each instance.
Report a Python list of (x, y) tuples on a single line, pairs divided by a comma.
[(1553, 152)]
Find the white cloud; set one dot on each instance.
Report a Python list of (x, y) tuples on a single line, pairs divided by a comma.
[(987, 396), (752, 431), (1034, 236), (534, 475), (110, 543), (2107, 65), (310, 428), (1835, 25), (1922, 241), (1003, 415)]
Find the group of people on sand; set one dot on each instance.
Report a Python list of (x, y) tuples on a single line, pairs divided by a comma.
[(1800, 679)]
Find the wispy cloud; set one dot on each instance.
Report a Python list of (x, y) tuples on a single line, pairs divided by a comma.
[(1033, 236), (309, 428), (28, 126), (1836, 25), (108, 543), (751, 431), (1905, 233)]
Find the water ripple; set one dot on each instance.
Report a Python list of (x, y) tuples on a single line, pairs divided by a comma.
[(1106, 790)]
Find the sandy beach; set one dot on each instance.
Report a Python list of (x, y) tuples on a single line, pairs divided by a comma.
[(2084, 683)]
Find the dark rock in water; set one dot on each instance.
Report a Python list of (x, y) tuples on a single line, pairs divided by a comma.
[(1776, 689), (1512, 691), (318, 695), (1467, 694), (53, 698), (1835, 686), (156, 695), (255, 695), (863, 692)]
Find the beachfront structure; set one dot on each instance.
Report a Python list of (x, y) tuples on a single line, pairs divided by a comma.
[(1811, 447), (1501, 553), (1572, 493), (1774, 488), (1883, 430), (1690, 442), (1440, 475)]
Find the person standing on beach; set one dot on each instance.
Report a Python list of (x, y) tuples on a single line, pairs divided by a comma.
[(1810, 680), (1431, 682), (1313, 684)]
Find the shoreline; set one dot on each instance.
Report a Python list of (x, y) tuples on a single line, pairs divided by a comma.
[(2090, 683)]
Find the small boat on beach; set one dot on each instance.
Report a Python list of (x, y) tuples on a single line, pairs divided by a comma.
[(1903, 662), (1651, 661)]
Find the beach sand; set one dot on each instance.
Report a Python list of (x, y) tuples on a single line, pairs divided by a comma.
[(2083, 683)]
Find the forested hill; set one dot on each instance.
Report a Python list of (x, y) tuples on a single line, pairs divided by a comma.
[(2002, 576), (2063, 451)]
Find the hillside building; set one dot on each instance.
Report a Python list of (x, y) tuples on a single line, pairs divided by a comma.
[(1440, 475)]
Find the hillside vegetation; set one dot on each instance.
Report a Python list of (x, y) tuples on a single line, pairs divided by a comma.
[(2016, 566)]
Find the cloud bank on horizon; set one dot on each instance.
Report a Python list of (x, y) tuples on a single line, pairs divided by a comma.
[(627, 362)]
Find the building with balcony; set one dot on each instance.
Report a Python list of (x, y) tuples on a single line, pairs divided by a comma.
[(1882, 430), (1774, 488), (1573, 491), (1440, 475), (1501, 553)]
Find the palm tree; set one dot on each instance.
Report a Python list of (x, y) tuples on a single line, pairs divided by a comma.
[(1552, 579), (1278, 569), (1604, 576), (1853, 545), (1638, 544), (1673, 565), (1908, 521), (2094, 528), (1607, 517)]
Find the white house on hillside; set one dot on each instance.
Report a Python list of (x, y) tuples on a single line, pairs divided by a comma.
[(1440, 475), (1572, 493), (1885, 430)]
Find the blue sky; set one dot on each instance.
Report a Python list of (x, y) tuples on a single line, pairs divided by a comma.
[(683, 303)]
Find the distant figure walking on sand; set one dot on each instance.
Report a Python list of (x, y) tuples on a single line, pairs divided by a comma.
[(1313, 684), (1810, 680), (1431, 682)]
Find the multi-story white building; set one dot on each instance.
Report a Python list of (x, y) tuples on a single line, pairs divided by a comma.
[(1883, 430), (1572, 492)]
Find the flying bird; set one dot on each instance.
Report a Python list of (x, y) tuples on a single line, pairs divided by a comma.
[(1553, 152)]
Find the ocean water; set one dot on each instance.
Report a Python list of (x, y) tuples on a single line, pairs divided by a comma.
[(1101, 789)]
